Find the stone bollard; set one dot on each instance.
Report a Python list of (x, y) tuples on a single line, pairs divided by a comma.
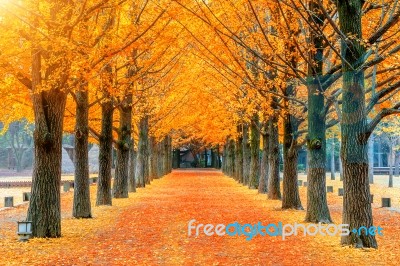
[(299, 182), (329, 189), (9, 202), (66, 186), (340, 191), (305, 184), (26, 196), (386, 202)]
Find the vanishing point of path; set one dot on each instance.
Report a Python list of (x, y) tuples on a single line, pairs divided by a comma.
[(151, 228)]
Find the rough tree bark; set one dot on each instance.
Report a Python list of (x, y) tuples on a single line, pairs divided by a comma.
[(262, 185), (81, 204), (132, 164), (317, 205), (105, 154), (166, 155), (246, 155), (120, 186), (212, 152), (48, 107), (152, 158), (231, 158), (255, 153), (169, 154), (44, 205), (357, 210), (333, 168), (176, 158), (224, 155), (274, 189), (218, 162), (161, 157), (239, 155), (291, 196), (142, 162), (104, 196)]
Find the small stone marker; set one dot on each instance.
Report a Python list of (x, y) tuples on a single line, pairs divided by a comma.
[(386, 202), (66, 186), (372, 198), (299, 182), (9, 202), (26, 196), (340, 191), (305, 184), (329, 189)]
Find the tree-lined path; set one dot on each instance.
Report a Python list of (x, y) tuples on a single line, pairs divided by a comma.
[(151, 227)]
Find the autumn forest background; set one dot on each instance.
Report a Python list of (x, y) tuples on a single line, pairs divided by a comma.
[(274, 93)]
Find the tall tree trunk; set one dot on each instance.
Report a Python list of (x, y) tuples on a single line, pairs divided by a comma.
[(44, 205), (357, 210), (246, 155), (205, 157), (218, 164), (231, 158), (132, 165), (169, 154), (274, 189), (340, 164), (239, 155), (224, 157), (176, 158), (163, 154), (120, 189), (291, 196), (333, 167), (48, 108), (81, 204), (262, 185), (141, 172), (317, 205), (152, 158), (371, 159), (255, 153), (105, 155), (159, 159), (212, 157), (166, 155)]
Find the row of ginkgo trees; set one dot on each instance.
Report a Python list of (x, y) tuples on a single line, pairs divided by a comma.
[(330, 60), (100, 66)]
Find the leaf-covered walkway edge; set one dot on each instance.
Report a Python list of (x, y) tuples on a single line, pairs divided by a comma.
[(151, 228)]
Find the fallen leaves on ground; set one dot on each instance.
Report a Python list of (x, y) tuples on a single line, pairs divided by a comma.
[(151, 228)]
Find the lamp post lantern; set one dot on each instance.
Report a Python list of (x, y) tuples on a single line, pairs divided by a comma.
[(24, 230)]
